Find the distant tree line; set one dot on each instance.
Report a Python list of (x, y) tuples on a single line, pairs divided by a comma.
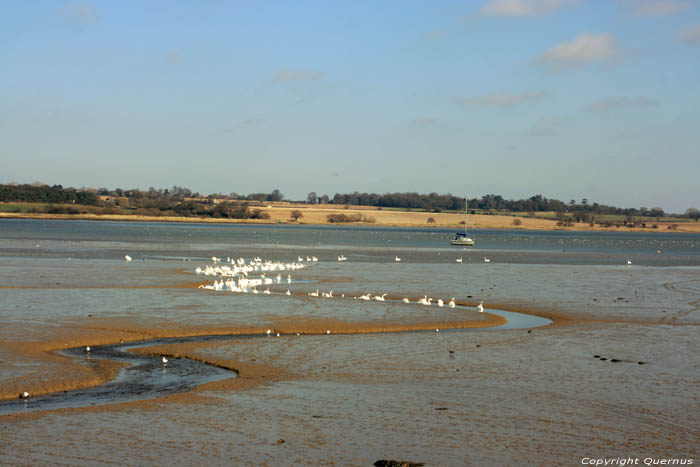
[(36, 193), (180, 201)]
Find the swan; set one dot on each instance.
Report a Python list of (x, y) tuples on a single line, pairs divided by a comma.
[(267, 292), (288, 292), (164, 360), (406, 300), (24, 395), (313, 258), (480, 307), (459, 260), (425, 300), (486, 260), (328, 331), (87, 349), (278, 334), (378, 298), (313, 294), (397, 259), (440, 303), (127, 258), (629, 262), (452, 304), (328, 295), (365, 297)]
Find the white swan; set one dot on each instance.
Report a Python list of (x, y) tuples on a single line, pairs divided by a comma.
[(24, 395), (452, 304), (164, 360), (406, 300), (480, 307), (365, 297), (440, 303), (629, 262), (288, 292), (127, 258), (397, 259), (313, 294), (425, 300), (378, 298), (459, 260), (87, 349), (486, 260)]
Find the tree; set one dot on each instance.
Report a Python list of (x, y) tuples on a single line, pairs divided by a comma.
[(296, 214), (692, 213), (311, 198)]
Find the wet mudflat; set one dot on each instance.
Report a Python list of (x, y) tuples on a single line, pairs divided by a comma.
[(527, 395)]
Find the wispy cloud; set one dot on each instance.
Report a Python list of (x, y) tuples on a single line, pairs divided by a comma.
[(79, 14), (586, 48), (690, 36), (546, 126), (656, 7), (423, 121), (621, 102), (173, 56), (523, 7), (246, 123), (296, 75), (500, 99)]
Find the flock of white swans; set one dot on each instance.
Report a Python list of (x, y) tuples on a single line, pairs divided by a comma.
[(241, 276)]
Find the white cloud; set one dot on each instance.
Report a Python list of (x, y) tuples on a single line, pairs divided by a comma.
[(297, 75), (500, 99), (423, 121), (656, 7), (691, 36), (621, 102), (546, 126), (586, 48), (79, 14), (523, 7)]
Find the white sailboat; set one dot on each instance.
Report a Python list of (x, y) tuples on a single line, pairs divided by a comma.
[(463, 239)]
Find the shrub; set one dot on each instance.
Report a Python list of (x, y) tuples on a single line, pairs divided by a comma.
[(517, 222), (296, 214), (431, 220)]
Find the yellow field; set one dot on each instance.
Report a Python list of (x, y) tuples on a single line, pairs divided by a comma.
[(317, 214)]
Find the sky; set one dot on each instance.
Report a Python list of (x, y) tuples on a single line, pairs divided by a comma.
[(571, 99)]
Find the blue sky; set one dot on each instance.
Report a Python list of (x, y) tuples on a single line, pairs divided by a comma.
[(596, 99)]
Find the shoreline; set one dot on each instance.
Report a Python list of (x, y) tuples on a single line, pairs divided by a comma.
[(383, 218)]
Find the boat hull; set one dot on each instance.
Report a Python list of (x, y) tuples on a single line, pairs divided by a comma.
[(463, 242)]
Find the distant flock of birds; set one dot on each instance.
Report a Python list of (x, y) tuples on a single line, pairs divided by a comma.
[(237, 276)]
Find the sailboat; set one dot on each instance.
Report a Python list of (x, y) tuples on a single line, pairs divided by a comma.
[(463, 239)]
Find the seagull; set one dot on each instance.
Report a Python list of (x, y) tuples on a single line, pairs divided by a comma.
[(127, 258), (397, 259), (480, 307), (486, 260), (459, 260)]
